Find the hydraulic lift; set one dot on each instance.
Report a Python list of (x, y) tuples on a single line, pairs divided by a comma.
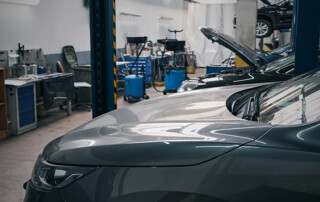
[(103, 56), (305, 35)]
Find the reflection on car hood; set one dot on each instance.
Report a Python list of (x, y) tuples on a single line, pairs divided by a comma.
[(180, 129), (246, 54)]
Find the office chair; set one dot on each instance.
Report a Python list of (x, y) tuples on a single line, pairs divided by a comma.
[(82, 77)]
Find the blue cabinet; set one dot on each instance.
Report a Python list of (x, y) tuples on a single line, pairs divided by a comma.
[(21, 108), (142, 61), (26, 106)]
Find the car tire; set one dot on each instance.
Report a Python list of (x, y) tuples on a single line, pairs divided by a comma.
[(263, 28)]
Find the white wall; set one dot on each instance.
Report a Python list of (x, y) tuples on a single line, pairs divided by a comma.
[(148, 24), (217, 16), (55, 23), (50, 25)]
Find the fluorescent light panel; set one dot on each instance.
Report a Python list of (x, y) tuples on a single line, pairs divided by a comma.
[(23, 2), (216, 1), (130, 14)]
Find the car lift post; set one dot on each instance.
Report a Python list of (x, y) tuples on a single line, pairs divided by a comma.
[(103, 56), (306, 28)]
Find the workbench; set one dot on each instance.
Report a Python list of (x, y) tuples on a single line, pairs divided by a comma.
[(24, 94)]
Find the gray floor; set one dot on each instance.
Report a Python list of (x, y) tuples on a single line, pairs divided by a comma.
[(18, 154)]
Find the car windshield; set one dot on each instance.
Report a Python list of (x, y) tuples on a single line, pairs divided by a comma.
[(292, 102), (278, 64)]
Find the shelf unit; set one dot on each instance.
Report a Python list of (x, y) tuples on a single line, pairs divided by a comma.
[(3, 107)]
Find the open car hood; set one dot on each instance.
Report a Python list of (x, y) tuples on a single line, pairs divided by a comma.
[(246, 54), (177, 130)]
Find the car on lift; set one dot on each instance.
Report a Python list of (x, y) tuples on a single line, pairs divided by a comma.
[(259, 71), (272, 17), (248, 142)]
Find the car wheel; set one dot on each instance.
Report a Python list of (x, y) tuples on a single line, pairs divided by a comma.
[(263, 28)]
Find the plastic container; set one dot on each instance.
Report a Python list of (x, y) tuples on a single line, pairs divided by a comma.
[(174, 78), (134, 86), (41, 70)]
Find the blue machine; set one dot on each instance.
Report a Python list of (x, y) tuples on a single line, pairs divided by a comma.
[(134, 87), (174, 75), (174, 79), (135, 83)]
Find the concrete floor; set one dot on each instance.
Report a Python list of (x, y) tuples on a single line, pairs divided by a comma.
[(18, 154)]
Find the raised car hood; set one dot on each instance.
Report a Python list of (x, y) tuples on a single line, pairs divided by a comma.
[(178, 130), (246, 54)]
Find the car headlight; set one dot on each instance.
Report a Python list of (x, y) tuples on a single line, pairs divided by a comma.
[(188, 85), (47, 176)]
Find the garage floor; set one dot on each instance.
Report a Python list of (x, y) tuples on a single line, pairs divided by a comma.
[(18, 154)]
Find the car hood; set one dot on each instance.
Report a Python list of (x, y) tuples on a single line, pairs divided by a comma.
[(245, 53), (177, 130)]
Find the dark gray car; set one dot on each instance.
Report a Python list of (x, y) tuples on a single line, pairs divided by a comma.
[(240, 143)]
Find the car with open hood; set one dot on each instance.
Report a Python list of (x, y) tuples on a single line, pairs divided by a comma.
[(248, 142), (269, 56), (259, 71)]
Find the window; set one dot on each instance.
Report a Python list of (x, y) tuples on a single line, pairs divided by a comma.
[(288, 105)]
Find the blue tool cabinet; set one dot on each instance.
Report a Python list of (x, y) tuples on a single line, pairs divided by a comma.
[(142, 61), (21, 102), (26, 106)]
